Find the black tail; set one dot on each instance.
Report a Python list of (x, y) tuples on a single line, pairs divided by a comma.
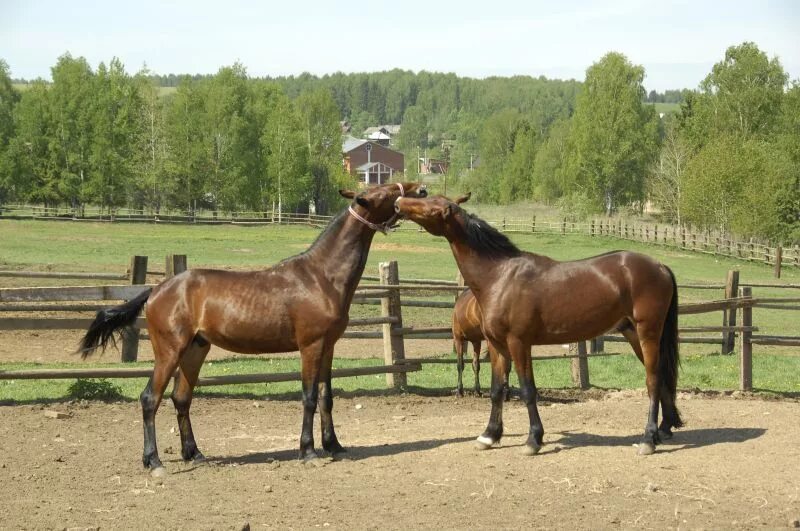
[(101, 331), (669, 358)]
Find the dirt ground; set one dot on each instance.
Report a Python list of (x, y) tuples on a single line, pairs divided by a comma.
[(411, 464)]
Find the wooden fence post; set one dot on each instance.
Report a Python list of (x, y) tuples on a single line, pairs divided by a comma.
[(597, 345), (130, 335), (176, 264), (393, 344), (564, 226), (533, 224), (746, 347), (729, 316), (580, 365), (592, 226), (778, 260)]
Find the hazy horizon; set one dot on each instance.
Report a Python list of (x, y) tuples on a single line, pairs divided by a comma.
[(677, 44)]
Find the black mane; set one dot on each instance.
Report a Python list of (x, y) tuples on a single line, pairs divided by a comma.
[(487, 240)]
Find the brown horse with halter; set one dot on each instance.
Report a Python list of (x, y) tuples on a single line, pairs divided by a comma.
[(467, 329), (528, 299), (301, 303)]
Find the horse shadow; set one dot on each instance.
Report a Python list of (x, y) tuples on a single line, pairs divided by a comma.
[(353, 453), (684, 439)]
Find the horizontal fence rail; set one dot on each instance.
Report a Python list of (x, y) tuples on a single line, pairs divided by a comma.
[(388, 291), (682, 237)]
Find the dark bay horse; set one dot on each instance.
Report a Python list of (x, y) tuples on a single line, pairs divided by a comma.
[(528, 299), (467, 329), (302, 303)]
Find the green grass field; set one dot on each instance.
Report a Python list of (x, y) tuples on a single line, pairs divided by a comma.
[(73, 246)]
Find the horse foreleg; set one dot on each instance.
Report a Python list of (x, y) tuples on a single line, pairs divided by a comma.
[(476, 365), (494, 429), (329, 440), (521, 354), (311, 356), (190, 363)]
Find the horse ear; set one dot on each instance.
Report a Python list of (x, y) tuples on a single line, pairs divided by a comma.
[(364, 202), (463, 199), (447, 211), (349, 194)]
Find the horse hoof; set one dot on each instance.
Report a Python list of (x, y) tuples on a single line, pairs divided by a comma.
[(665, 435), (310, 457), (158, 472), (483, 443), (646, 448), (531, 449)]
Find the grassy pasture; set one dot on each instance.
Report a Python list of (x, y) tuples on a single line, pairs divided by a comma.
[(72, 246)]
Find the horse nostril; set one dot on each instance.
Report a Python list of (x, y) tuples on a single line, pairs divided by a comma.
[(423, 192)]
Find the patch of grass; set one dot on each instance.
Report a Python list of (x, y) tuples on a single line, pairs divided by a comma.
[(70, 246), (774, 373), (91, 389)]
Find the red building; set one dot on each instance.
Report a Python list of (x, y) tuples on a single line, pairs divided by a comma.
[(371, 162)]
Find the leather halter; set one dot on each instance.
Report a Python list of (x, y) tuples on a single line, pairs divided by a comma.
[(384, 227)]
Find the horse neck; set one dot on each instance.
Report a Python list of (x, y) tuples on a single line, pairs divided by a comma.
[(343, 252), (478, 272)]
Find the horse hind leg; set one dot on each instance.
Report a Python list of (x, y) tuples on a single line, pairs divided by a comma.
[(166, 353), (459, 345), (190, 364), (650, 352), (669, 413)]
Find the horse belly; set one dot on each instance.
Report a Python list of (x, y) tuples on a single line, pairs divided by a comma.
[(577, 324), (258, 330)]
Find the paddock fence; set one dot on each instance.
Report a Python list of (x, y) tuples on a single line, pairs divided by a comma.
[(682, 237), (392, 294)]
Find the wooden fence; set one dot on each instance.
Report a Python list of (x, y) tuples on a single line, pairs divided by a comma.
[(681, 237), (392, 294)]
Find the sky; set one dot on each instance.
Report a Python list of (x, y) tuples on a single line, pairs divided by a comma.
[(677, 41)]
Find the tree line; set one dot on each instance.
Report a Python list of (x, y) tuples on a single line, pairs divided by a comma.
[(729, 159), (109, 138)]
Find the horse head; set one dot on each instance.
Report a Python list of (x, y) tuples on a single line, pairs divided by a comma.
[(434, 214), (374, 206)]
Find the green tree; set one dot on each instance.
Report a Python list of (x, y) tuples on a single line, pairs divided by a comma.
[(744, 92), (286, 179), (187, 162), (551, 165), (414, 131), (9, 98), (114, 129), (150, 145), (666, 180), (71, 97), (615, 136), (34, 175), (319, 119)]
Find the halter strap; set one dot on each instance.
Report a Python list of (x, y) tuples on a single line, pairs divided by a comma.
[(384, 227)]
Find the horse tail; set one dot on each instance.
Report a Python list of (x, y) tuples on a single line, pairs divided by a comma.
[(669, 357), (108, 321)]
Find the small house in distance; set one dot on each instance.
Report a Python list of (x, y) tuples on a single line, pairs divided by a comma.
[(371, 162), (382, 134)]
